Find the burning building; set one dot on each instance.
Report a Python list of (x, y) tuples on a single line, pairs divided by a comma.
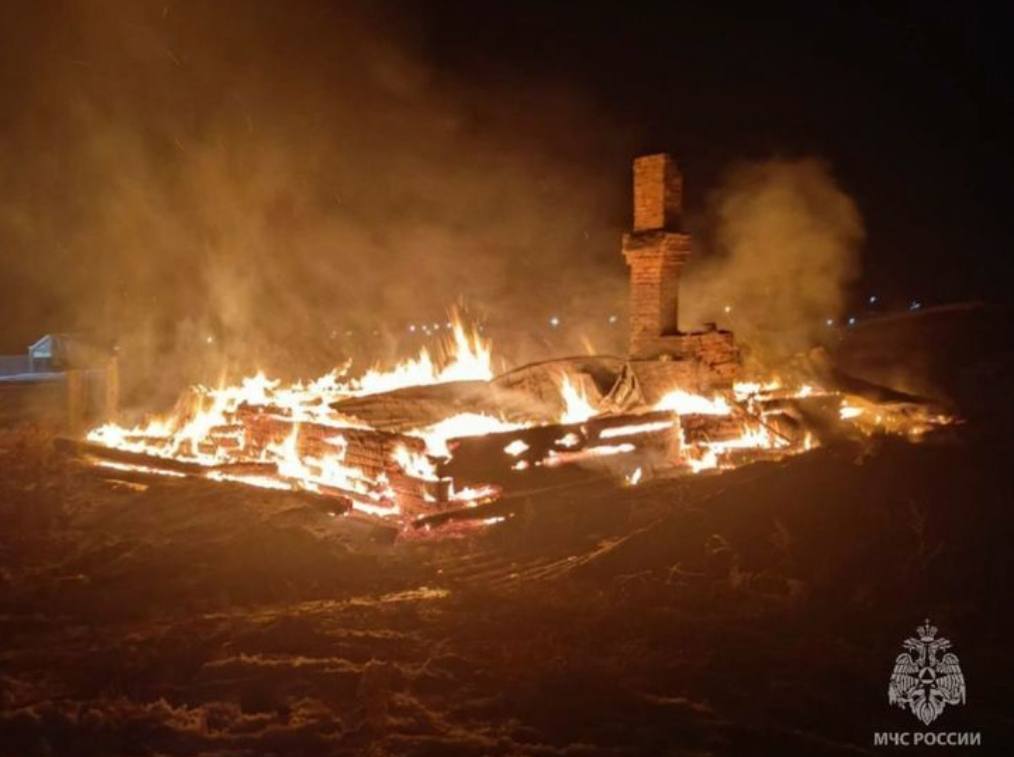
[(443, 434)]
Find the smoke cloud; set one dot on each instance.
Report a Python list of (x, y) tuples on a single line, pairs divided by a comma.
[(241, 185), (783, 248), (249, 184)]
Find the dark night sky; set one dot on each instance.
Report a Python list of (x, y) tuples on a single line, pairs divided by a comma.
[(198, 159), (909, 102)]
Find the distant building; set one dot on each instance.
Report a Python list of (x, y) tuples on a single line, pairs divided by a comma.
[(58, 352), (44, 355), (61, 379)]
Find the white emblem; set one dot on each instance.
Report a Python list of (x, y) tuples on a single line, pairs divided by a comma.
[(921, 682)]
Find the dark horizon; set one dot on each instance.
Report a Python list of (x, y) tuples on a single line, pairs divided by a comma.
[(908, 105)]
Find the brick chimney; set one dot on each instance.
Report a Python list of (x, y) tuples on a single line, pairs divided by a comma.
[(655, 250), (658, 193)]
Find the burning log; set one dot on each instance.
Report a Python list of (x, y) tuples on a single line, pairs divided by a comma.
[(374, 453), (532, 392), (699, 429), (147, 469), (266, 425), (527, 394), (547, 452), (101, 452), (416, 406)]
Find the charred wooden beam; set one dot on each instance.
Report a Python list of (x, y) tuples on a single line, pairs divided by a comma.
[(412, 494), (101, 452), (134, 471), (699, 429), (418, 406), (528, 393), (265, 426), (543, 455)]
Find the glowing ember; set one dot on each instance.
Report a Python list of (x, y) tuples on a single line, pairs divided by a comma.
[(635, 429), (745, 389), (415, 464), (685, 403), (709, 455), (465, 424), (515, 448), (262, 482), (380, 511), (474, 496), (127, 467), (847, 411), (603, 450)]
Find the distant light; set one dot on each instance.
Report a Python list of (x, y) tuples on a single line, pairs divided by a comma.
[(852, 320), (873, 299), (411, 327), (829, 321), (436, 327), (448, 324), (613, 319), (554, 321), (728, 308), (209, 339), (915, 305), (334, 334)]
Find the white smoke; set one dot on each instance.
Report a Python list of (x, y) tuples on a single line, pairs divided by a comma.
[(784, 248)]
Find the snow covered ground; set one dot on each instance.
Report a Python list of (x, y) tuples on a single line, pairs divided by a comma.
[(758, 611)]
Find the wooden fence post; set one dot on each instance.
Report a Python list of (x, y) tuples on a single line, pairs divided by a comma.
[(75, 400), (112, 389)]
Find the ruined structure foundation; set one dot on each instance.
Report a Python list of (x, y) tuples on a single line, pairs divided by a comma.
[(656, 250)]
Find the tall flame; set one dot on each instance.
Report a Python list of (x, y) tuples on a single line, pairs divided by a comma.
[(577, 408), (470, 359)]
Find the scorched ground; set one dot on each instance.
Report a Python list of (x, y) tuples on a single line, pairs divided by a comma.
[(756, 610)]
